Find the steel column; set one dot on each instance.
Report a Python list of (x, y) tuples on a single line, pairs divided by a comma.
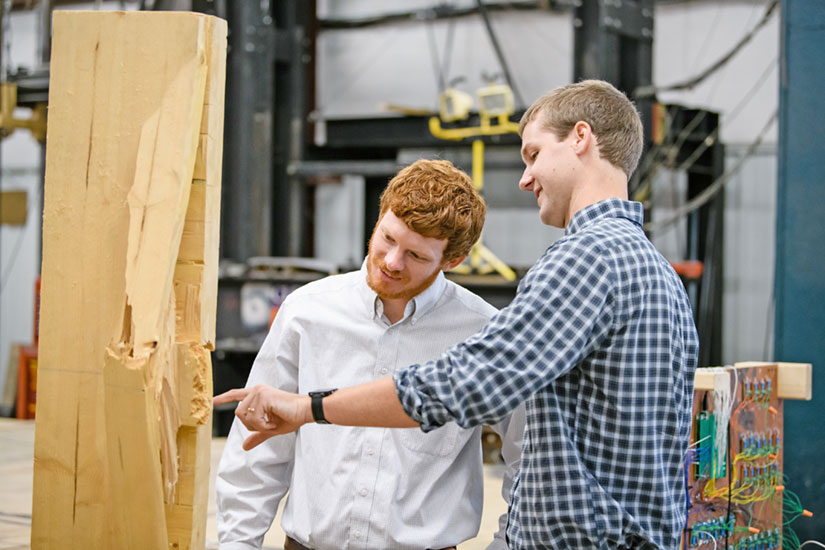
[(247, 175), (613, 41), (799, 328)]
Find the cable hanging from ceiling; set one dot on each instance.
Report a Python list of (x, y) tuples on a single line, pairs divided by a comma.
[(702, 198), (651, 91), (658, 155)]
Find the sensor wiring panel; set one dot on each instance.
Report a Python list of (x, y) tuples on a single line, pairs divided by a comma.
[(734, 464)]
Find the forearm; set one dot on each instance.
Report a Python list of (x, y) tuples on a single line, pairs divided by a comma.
[(268, 411), (373, 404)]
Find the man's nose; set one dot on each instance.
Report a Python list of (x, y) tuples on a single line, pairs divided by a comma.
[(526, 180), (394, 259)]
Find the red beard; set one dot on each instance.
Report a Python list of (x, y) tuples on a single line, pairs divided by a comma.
[(401, 289)]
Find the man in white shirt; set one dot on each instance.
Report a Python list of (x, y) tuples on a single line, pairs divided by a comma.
[(372, 488)]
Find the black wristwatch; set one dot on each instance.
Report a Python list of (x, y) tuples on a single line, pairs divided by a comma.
[(318, 406)]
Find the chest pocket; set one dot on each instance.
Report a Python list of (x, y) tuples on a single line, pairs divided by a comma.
[(439, 442)]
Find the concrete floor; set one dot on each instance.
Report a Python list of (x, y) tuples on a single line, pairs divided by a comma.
[(16, 457)]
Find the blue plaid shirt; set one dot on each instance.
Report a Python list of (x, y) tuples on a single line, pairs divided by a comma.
[(600, 342)]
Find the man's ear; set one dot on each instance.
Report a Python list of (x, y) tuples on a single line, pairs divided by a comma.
[(582, 137), (446, 266)]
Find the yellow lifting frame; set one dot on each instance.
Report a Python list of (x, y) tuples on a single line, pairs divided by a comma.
[(9, 123), (480, 259)]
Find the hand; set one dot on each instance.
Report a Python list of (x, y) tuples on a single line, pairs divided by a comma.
[(267, 411)]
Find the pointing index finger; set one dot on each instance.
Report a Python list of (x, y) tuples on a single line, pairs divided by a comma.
[(230, 396)]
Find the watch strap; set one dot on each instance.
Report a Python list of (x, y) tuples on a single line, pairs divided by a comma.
[(317, 405)]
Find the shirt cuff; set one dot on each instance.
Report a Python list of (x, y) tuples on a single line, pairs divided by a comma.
[(417, 404)]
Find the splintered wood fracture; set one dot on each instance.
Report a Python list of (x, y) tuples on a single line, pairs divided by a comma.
[(129, 280)]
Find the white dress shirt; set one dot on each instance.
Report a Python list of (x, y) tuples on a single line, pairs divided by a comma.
[(351, 487)]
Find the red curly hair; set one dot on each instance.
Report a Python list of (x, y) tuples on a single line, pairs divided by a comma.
[(435, 199)]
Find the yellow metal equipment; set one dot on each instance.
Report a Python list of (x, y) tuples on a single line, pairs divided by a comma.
[(496, 104), (36, 124)]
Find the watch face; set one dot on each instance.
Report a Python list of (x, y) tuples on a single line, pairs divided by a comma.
[(321, 393)]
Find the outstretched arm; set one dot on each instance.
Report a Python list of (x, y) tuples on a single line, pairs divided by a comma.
[(268, 411)]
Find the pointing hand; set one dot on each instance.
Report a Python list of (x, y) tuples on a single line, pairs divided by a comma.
[(267, 411)]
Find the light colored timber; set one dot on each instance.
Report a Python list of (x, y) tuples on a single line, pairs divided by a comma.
[(207, 189), (793, 379), (196, 287), (130, 247), (711, 380)]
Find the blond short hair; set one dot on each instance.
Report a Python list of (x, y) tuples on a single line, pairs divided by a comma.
[(611, 115)]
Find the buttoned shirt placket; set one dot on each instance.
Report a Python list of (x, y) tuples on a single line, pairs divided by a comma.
[(364, 503)]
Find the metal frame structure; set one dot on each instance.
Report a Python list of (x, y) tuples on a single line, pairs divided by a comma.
[(706, 225), (271, 158), (612, 41), (800, 233)]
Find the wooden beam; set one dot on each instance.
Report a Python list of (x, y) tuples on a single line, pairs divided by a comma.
[(129, 281), (196, 287), (715, 379), (795, 381)]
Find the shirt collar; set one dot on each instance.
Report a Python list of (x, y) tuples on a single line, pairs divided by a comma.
[(608, 208), (417, 307)]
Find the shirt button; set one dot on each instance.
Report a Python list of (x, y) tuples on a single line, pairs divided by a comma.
[(384, 371), (370, 451), (357, 534), (363, 492)]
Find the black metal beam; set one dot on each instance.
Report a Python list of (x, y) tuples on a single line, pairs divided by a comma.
[(441, 11), (693, 138), (294, 85), (247, 175), (605, 32), (613, 41), (32, 87), (398, 133)]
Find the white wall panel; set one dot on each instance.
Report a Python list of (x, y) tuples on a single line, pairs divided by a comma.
[(361, 70), (750, 244), (339, 222)]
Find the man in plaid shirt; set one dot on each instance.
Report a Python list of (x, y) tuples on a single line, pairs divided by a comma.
[(600, 343)]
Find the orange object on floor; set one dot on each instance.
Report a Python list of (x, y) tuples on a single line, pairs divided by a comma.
[(26, 382)]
